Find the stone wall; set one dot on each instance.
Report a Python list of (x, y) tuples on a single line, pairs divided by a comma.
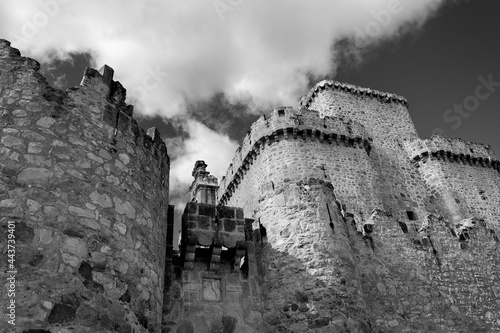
[(87, 191), (308, 266), (465, 175), (387, 121), (428, 280), (356, 239), (215, 283), (275, 154), (285, 183)]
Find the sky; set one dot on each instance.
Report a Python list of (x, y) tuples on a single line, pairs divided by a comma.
[(202, 71)]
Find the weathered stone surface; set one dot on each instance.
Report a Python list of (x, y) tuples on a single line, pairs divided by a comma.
[(61, 162), (8, 203), (46, 122), (75, 246), (102, 200), (185, 327), (87, 316), (90, 223), (23, 233), (120, 227), (45, 236), (81, 212), (10, 141), (33, 205), (124, 207), (85, 270), (61, 314), (34, 176)]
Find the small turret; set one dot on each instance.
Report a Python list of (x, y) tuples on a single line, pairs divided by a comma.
[(204, 187)]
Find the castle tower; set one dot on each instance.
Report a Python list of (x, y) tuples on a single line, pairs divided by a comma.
[(464, 176), (282, 176), (214, 285), (84, 191), (357, 238), (387, 122)]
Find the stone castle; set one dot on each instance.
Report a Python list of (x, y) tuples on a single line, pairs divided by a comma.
[(334, 217)]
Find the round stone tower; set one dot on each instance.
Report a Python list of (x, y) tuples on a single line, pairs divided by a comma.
[(83, 200), (387, 122), (294, 174)]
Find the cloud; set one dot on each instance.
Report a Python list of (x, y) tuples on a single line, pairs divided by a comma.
[(171, 55), (202, 144), (169, 52)]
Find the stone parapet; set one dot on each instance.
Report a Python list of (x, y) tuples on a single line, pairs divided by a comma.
[(453, 150), (285, 124), (205, 224), (117, 113), (383, 97)]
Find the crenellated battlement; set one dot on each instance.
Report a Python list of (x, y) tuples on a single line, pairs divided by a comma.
[(118, 114), (109, 95), (6, 51), (383, 97), (286, 124), (453, 150)]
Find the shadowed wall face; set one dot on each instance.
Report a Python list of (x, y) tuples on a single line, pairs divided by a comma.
[(86, 191), (397, 243)]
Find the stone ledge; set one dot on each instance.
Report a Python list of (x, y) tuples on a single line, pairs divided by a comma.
[(352, 89)]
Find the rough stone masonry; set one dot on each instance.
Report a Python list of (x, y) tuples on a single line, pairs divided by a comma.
[(87, 190), (335, 217)]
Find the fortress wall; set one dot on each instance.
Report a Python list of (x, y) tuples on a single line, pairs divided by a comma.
[(464, 174), (320, 139), (385, 116), (316, 276), (283, 164), (478, 190), (86, 191), (455, 146), (386, 120), (419, 281), (430, 281), (287, 187), (410, 274), (308, 269), (467, 190), (215, 286), (300, 151)]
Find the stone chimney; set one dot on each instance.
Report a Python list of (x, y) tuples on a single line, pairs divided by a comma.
[(204, 187)]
